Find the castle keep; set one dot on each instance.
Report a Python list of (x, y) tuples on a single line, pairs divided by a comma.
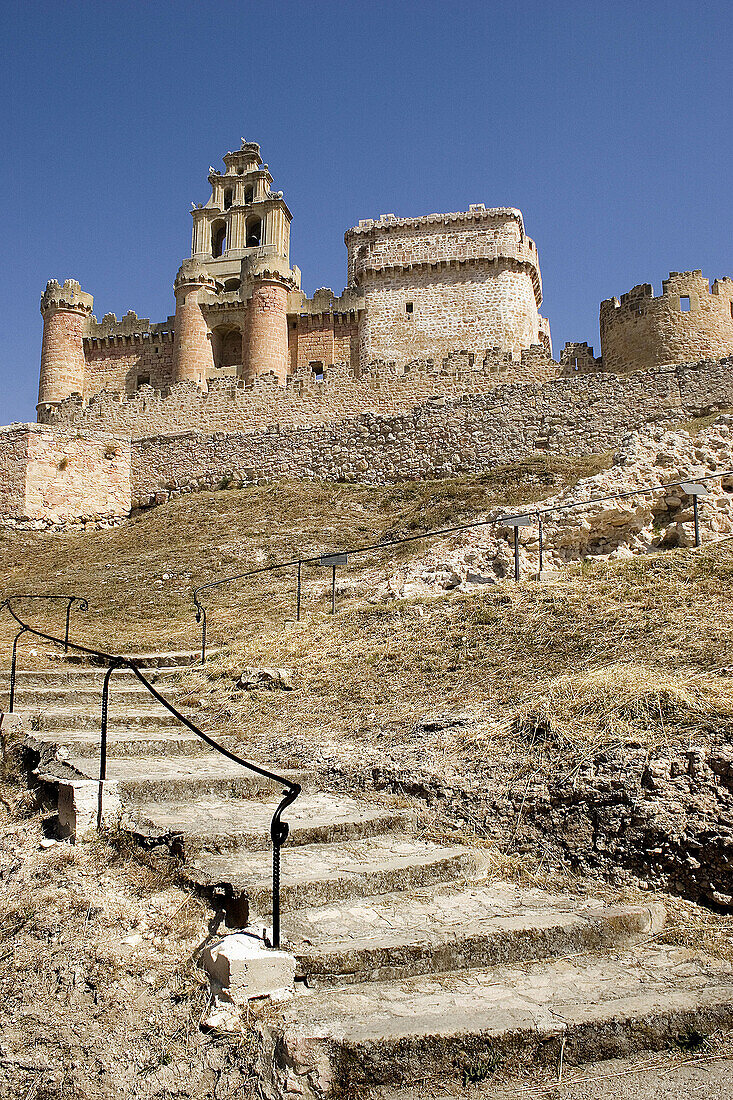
[(418, 288), (433, 361)]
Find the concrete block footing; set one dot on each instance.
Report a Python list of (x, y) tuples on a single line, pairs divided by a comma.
[(85, 804), (241, 968)]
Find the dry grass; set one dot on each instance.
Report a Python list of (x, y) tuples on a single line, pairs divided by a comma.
[(627, 702), (138, 578)]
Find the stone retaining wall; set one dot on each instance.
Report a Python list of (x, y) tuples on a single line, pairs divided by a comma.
[(438, 438)]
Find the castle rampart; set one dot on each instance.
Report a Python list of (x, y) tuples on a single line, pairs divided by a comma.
[(687, 321), (65, 310)]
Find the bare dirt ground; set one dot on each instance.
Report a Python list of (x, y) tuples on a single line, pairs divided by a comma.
[(100, 997)]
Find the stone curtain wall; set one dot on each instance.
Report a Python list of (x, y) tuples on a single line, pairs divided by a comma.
[(343, 393), (53, 477), (115, 363), (440, 438), (641, 331)]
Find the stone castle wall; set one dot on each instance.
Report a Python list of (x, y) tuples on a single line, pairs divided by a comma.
[(640, 331), (121, 363), (344, 392), (437, 438), (62, 475)]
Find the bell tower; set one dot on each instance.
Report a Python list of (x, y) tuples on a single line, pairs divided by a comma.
[(240, 250)]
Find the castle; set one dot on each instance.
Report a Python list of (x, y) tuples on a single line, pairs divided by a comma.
[(433, 360)]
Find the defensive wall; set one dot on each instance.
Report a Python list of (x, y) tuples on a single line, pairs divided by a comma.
[(688, 321), (62, 476), (57, 476), (441, 437), (339, 391)]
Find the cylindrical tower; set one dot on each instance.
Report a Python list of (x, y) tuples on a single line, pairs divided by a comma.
[(65, 310), (267, 329), (192, 352)]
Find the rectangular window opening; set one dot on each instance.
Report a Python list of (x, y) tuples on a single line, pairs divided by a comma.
[(317, 368), (143, 380), (685, 303), (409, 306)]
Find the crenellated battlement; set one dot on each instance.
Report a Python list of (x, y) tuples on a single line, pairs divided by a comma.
[(688, 320), (67, 295)]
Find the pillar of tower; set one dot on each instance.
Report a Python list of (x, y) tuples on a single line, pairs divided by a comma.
[(267, 329), (192, 351), (65, 310)]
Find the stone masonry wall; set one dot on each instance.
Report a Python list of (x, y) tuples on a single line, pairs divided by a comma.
[(57, 476), (471, 307), (115, 363), (343, 392), (438, 438), (640, 331)]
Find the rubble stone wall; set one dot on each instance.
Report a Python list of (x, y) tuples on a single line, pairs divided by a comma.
[(437, 438), (344, 391)]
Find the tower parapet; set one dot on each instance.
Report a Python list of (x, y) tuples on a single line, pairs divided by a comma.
[(66, 310), (687, 322)]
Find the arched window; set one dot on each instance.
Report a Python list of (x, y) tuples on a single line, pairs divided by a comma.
[(254, 232), (228, 195), (249, 194), (218, 239), (232, 284)]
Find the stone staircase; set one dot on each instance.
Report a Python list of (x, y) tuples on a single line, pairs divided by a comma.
[(411, 962)]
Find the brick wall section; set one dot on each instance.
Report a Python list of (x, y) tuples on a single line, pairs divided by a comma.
[(439, 438), (267, 332), (344, 392), (322, 338), (115, 363), (640, 331), (66, 475)]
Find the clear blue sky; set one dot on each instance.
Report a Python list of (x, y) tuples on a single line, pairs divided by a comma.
[(608, 124)]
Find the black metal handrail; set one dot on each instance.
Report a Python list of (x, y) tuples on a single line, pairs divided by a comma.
[(502, 521), (278, 829), (81, 600)]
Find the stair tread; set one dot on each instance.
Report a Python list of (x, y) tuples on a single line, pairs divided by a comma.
[(222, 816), (157, 767), (430, 917), (327, 862), (544, 997)]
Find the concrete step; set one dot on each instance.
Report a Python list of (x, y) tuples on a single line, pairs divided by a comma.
[(220, 825), (450, 927), (174, 659), (318, 873), (89, 718), (61, 677), (84, 744), (146, 779), (464, 1024), (48, 699)]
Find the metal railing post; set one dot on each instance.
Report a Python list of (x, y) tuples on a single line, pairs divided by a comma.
[(516, 553), (297, 597), (12, 669), (697, 520), (103, 741), (333, 589), (539, 521), (279, 834)]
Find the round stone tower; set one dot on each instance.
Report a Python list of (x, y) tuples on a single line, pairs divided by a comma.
[(267, 329), (66, 311), (192, 353)]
